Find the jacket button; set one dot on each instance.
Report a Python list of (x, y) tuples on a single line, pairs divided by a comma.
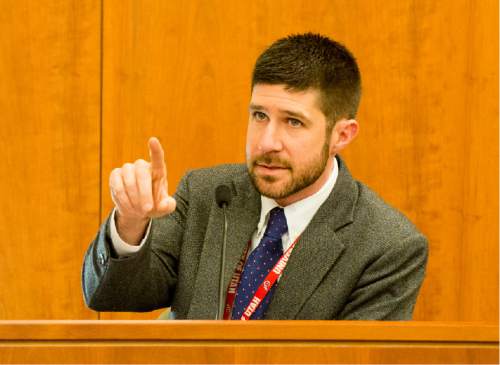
[(102, 259)]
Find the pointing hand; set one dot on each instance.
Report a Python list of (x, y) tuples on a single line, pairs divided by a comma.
[(139, 191)]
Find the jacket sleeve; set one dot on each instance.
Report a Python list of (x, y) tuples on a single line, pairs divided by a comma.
[(388, 287), (140, 282)]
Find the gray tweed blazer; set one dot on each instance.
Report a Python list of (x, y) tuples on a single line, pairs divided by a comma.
[(358, 258)]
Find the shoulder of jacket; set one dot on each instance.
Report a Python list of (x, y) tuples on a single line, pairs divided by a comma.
[(380, 216)]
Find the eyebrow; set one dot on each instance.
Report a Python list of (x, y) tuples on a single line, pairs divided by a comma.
[(288, 112)]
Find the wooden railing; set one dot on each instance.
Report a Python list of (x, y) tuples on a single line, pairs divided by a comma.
[(247, 342)]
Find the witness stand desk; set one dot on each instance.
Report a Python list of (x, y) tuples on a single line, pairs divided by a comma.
[(181, 342)]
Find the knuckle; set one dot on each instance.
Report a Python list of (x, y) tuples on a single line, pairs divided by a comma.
[(140, 163), (114, 185), (147, 210), (115, 173), (142, 171), (127, 166)]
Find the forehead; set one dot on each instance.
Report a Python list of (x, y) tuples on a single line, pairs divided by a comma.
[(278, 97)]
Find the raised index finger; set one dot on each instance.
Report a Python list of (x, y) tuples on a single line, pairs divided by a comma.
[(158, 168)]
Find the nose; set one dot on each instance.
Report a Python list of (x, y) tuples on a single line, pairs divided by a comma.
[(270, 138)]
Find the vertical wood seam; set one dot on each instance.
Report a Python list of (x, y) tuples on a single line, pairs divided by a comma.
[(101, 88)]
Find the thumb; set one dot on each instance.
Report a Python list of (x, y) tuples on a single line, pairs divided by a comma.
[(166, 204)]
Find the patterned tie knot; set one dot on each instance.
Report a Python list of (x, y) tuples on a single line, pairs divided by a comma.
[(276, 226)]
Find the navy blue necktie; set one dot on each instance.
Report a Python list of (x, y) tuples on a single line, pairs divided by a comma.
[(259, 263)]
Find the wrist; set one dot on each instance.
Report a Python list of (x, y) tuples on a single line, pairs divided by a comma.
[(131, 229)]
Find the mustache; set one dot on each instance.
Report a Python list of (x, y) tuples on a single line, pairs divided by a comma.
[(271, 159)]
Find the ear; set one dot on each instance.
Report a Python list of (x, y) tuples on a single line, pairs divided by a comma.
[(344, 131)]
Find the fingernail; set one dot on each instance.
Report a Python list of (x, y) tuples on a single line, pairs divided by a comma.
[(147, 207)]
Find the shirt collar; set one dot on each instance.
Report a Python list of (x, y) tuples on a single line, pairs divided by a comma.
[(299, 214)]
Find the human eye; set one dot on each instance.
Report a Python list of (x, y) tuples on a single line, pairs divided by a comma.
[(259, 115), (295, 122)]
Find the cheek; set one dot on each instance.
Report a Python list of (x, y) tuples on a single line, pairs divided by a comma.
[(251, 142), (249, 149), (307, 149), (247, 152)]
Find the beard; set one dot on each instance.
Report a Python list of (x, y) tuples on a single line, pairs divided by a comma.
[(299, 177)]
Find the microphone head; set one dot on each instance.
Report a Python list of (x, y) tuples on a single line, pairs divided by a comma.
[(223, 195)]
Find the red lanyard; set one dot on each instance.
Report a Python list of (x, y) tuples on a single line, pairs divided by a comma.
[(264, 287)]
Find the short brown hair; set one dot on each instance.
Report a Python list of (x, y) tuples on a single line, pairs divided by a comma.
[(310, 60)]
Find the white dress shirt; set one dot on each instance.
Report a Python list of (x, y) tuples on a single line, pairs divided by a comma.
[(298, 216)]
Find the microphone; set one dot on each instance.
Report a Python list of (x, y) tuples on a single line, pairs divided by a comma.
[(223, 195), (223, 199)]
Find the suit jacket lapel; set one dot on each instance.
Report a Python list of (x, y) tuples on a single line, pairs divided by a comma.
[(317, 249), (243, 216)]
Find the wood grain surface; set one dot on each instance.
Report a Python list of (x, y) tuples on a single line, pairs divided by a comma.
[(49, 145), (180, 70), (427, 331), (247, 342)]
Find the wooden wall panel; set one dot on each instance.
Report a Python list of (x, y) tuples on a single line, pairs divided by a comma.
[(429, 142), (180, 70), (49, 144)]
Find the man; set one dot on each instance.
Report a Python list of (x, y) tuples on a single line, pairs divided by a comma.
[(305, 240)]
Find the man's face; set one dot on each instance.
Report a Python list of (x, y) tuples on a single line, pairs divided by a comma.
[(287, 148)]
